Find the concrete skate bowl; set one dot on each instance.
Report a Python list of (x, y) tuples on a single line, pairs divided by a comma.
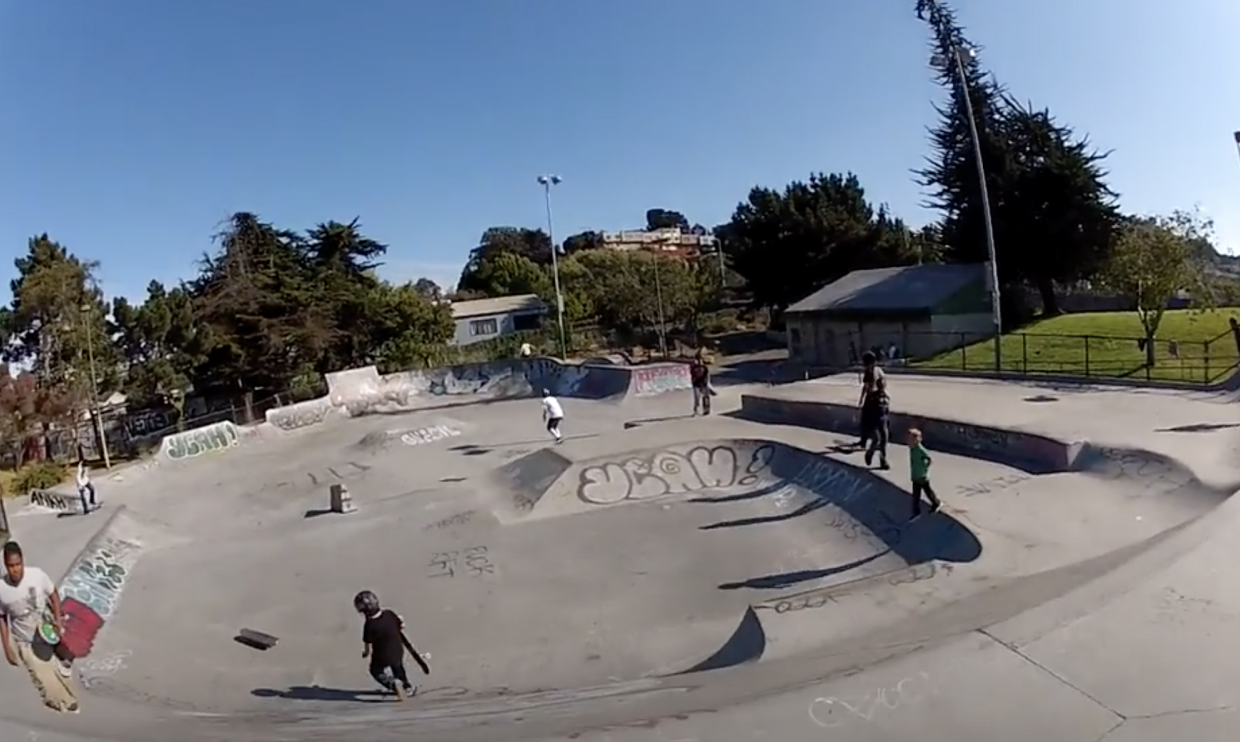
[(619, 576), (363, 391)]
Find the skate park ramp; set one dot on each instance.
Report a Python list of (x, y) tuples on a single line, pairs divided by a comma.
[(363, 391), (640, 573)]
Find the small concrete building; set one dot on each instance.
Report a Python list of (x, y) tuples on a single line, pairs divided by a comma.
[(922, 310), (487, 319)]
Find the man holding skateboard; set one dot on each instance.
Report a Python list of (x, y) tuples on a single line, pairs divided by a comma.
[(384, 644), (31, 623)]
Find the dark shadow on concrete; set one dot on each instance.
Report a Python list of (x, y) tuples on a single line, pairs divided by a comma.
[(1198, 428), (638, 423), (783, 580), (1039, 398), (476, 449), (454, 479), (770, 489), (861, 501), (805, 509), (747, 644), (316, 512), (319, 693)]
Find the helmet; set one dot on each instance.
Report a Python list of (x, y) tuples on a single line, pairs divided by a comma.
[(366, 602), (546, 392)]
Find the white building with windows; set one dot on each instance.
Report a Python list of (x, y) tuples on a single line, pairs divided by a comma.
[(487, 319)]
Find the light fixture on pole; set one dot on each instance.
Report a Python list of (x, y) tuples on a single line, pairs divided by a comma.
[(546, 181), (956, 64)]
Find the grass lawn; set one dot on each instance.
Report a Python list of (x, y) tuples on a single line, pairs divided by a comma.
[(1105, 344)]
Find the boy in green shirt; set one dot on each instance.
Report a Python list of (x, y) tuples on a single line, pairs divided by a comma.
[(919, 467)]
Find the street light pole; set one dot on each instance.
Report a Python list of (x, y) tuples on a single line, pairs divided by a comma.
[(94, 393), (985, 193), (658, 292), (546, 181)]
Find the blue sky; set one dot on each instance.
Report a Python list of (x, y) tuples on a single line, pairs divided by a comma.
[(131, 128)]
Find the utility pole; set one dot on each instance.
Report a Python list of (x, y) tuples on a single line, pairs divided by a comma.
[(94, 392), (546, 181)]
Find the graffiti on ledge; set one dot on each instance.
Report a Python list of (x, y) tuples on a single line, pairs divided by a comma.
[(92, 590), (207, 439), (670, 473)]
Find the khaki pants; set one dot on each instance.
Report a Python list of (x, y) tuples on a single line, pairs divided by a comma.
[(57, 690)]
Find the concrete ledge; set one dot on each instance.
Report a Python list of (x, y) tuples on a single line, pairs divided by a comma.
[(1036, 454), (1230, 383)]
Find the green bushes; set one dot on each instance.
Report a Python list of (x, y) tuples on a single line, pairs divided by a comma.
[(40, 476)]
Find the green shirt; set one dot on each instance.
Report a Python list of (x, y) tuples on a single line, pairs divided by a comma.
[(919, 463)]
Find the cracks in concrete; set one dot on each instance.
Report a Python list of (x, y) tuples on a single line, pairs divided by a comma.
[(1120, 718)]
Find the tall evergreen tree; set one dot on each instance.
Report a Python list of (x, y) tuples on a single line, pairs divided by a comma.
[(1053, 214), (951, 176)]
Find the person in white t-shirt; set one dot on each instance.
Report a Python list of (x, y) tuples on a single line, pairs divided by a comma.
[(85, 487), (28, 599), (553, 413)]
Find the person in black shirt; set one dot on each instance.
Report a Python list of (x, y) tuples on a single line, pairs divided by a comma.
[(383, 639), (699, 377), (875, 408)]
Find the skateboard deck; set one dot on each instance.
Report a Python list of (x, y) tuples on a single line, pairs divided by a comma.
[(256, 639)]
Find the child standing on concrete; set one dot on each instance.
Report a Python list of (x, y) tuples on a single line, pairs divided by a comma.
[(919, 468), (553, 413)]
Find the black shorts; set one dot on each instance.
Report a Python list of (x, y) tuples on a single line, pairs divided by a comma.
[(554, 423)]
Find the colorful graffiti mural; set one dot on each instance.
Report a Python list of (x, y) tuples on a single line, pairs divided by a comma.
[(651, 380), (207, 439), (91, 591)]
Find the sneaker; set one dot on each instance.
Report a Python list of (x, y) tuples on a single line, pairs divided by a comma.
[(884, 466), (869, 457), (65, 669), (936, 507), (411, 691)]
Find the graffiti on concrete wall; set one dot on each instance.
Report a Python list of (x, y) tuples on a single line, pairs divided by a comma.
[(61, 503), (651, 380), (430, 434), (207, 439), (670, 472), (300, 415), (92, 590)]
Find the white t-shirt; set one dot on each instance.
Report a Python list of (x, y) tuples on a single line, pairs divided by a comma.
[(83, 475), (22, 605), (552, 408)]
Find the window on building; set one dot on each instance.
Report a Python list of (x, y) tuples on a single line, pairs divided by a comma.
[(484, 327), (523, 322)]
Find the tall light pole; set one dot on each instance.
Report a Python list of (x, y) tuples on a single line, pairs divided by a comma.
[(94, 390), (658, 292), (957, 57), (546, 181)]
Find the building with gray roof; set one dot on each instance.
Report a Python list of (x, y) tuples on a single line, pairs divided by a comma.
[(921, 310)]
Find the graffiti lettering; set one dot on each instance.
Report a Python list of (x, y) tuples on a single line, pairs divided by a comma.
[(651, 380), (459, 519), (53, 501), (815, 599), (670, 472), (831, 712), (94, 670), (428, 435), (301, 415), (92, 589), (998, 484), (476, 561), (207, 439)]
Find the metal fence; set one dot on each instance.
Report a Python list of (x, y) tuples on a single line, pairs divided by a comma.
[(1186, 361)]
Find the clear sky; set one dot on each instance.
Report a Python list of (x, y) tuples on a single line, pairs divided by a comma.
[(131, 128)]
